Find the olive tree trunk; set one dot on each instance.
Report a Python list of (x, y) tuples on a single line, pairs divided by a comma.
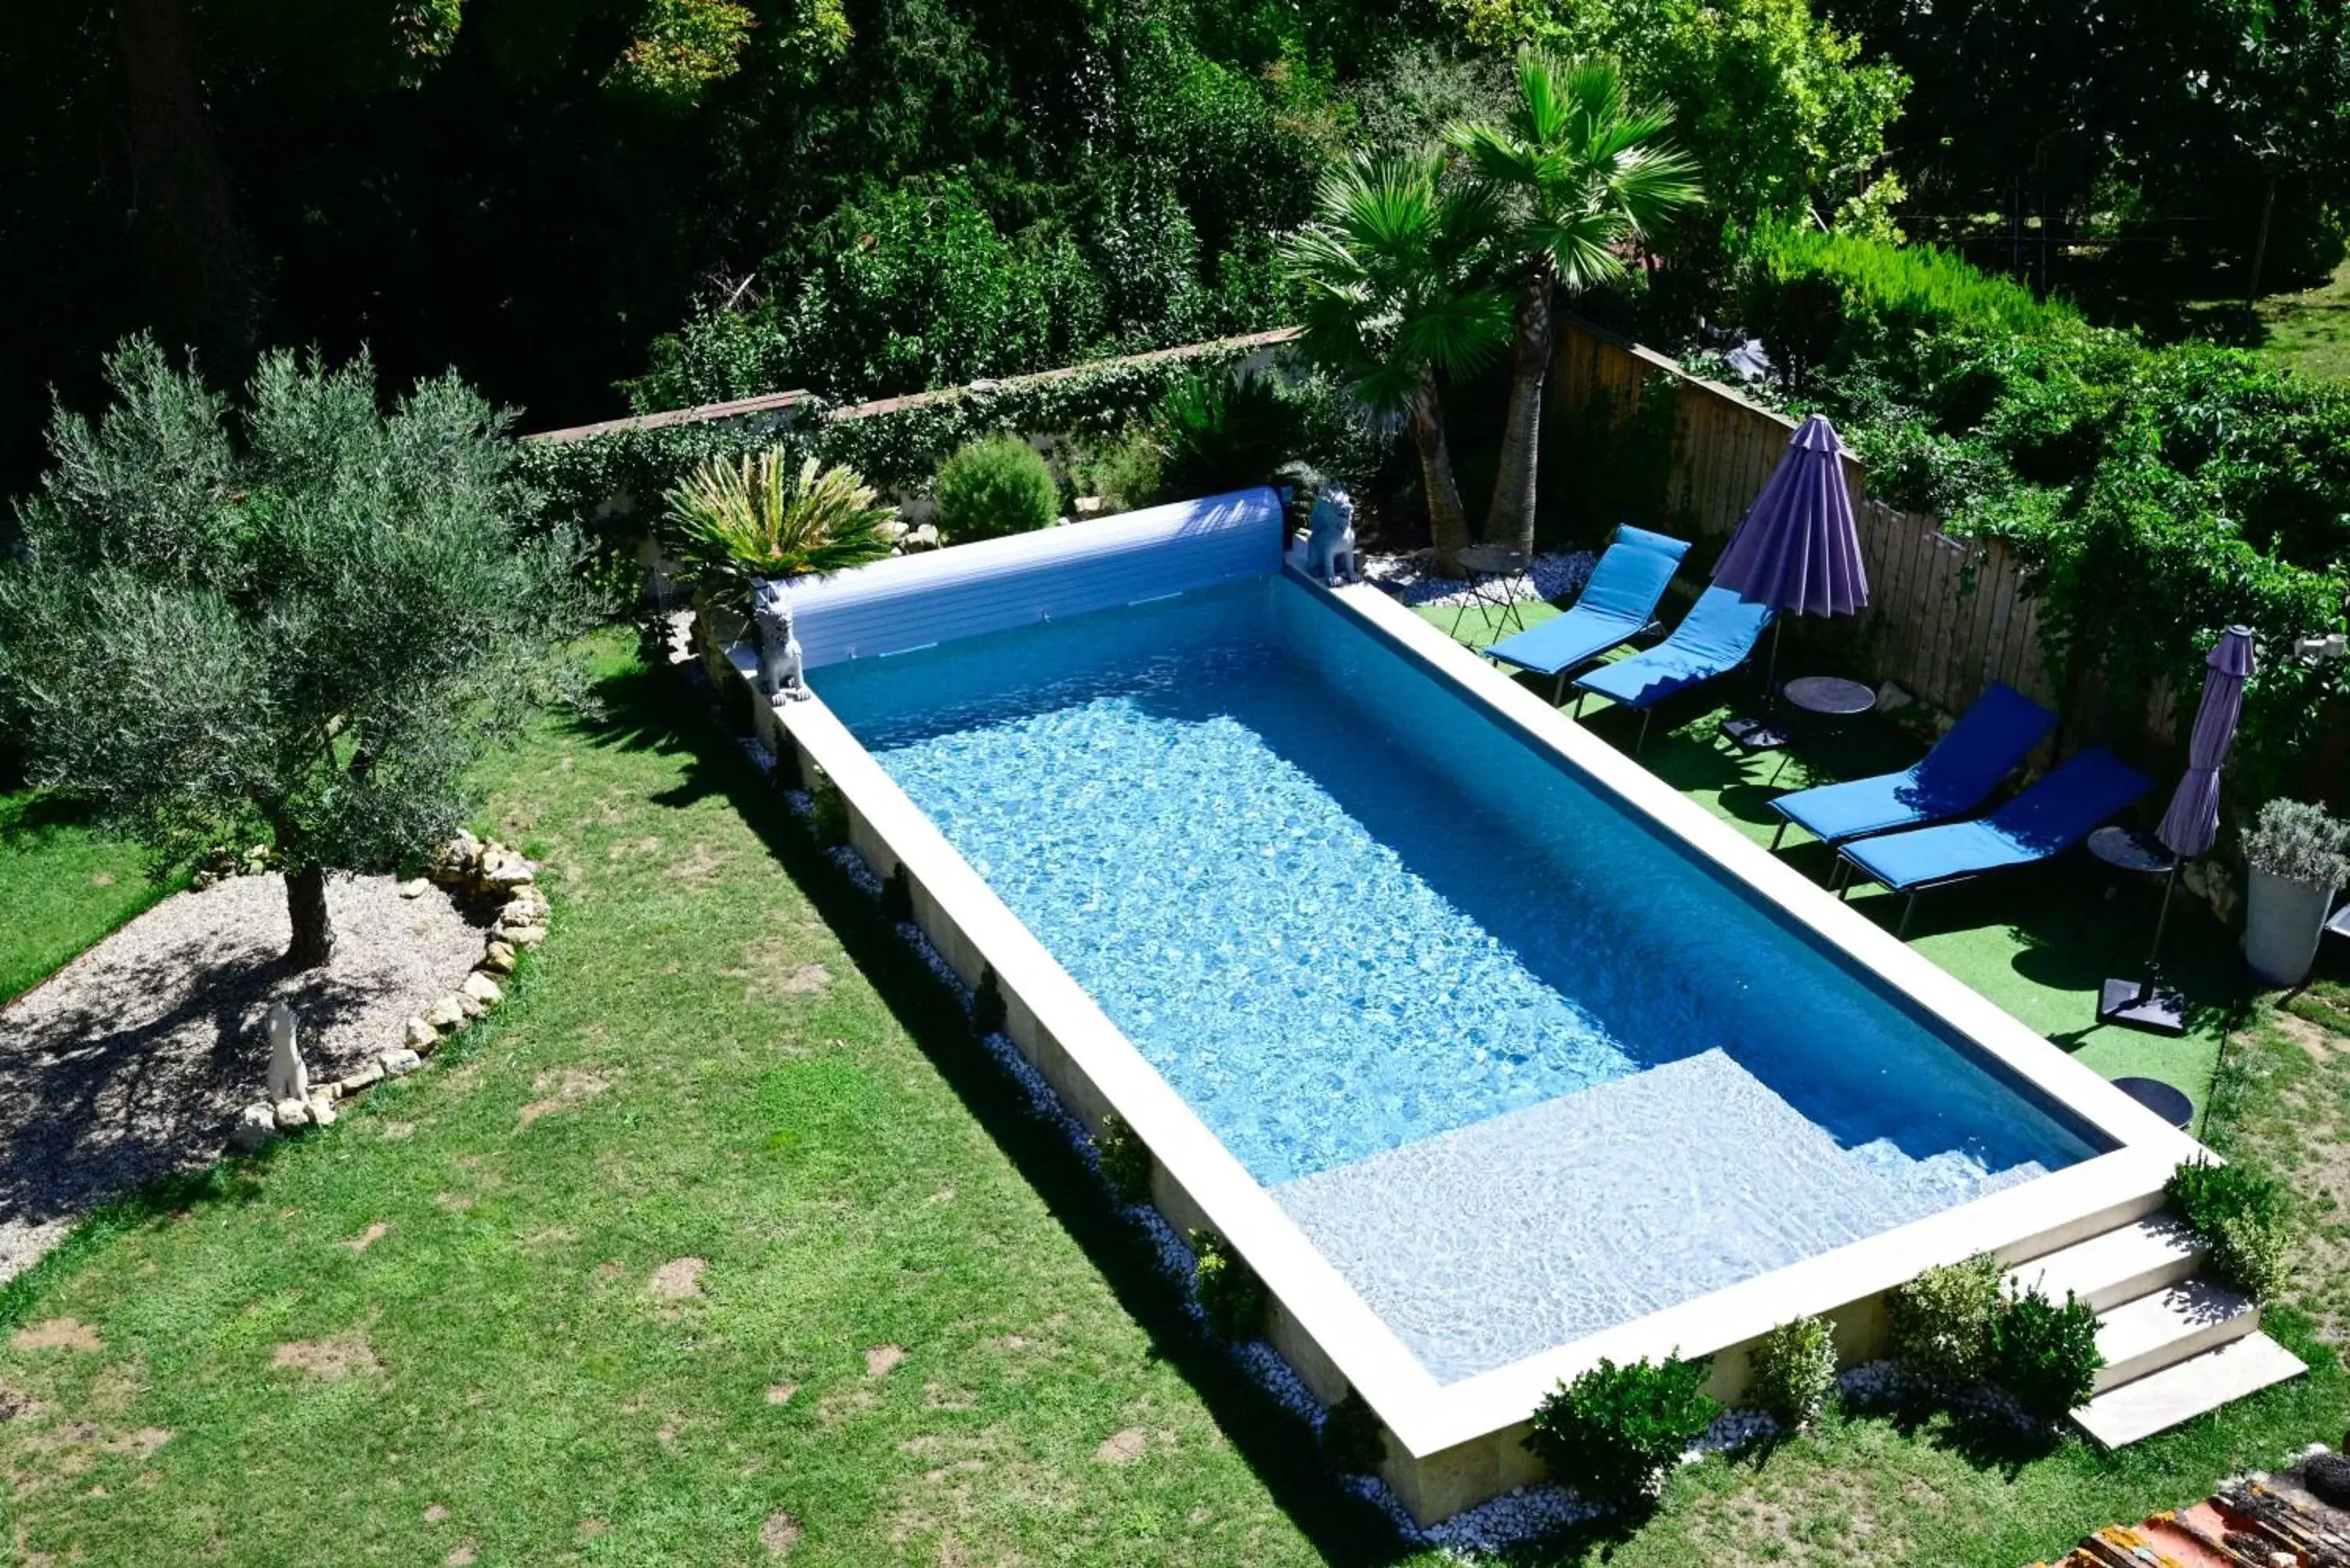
[(1511, 517), (1447, 520), (314, 928)]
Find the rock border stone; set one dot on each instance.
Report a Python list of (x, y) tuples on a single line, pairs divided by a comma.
[(484, 874)]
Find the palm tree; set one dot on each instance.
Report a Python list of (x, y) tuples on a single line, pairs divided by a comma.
[(1587, 173), (1396, 302), (732, 523)]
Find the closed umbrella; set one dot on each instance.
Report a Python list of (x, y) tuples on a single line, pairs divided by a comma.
[(1798, 550), (2189, 827)]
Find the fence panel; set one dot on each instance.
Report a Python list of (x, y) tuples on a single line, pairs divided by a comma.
[(1946, 616)]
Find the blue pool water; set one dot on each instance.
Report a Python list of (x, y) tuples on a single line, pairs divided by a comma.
[(1447, 998)]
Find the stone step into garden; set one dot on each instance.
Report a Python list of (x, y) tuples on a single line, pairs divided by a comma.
[(2118, 1266), (2141, 1338), (2156, 1402)]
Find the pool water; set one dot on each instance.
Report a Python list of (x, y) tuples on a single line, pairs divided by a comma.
[(1520, 1064)]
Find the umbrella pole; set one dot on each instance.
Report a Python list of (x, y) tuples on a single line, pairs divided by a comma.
[(1771, 679), (2161, 924)]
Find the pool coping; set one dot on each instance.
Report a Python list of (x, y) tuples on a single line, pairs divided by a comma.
[(1457, 1440)]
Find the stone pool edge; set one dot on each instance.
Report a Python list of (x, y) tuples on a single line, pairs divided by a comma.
[(1453, 1445)]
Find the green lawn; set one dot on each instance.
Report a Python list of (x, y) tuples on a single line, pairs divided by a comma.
[(63, 887), (2306, 330), (917, 1335)]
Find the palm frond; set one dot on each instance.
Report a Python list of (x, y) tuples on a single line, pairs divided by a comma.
[(731, 523)]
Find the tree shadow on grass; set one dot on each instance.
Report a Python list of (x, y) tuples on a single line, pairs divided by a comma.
[(1279, 1447)]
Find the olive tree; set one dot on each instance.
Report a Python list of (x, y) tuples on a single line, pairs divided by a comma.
[(297, 617)]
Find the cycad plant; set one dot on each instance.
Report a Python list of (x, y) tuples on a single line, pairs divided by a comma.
[(733, 522), (1393, 272), (1584, 172)]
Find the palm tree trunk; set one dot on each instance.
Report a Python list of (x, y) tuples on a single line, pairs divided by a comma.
[(1511, 518), (1447, 520)]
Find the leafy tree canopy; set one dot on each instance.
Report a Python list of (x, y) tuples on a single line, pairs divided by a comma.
[(298, 619)]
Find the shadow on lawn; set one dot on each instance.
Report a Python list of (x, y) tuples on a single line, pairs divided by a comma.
[(643, 711)]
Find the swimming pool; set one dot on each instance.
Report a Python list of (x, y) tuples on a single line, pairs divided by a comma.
[(1489, 1052), (1520, 1066)]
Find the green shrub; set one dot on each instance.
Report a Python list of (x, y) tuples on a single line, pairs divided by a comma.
[(1229, 1292), (1945, 1319), (1125, 1160), (2048, 1356), (1223, 432), (1795, 1370), (1125, 472), (2240, 1216), (1351, 1443), (1612, 1433), (995, 487)]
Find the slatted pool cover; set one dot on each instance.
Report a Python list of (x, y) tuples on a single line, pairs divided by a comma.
[(912, 601)]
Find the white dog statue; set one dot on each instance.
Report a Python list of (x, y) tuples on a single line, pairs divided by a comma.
[(781, 670), (1330, 536), (288, 1078)]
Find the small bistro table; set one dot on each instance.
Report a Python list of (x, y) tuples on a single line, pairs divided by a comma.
[(2144, 1003), (1829, 697)]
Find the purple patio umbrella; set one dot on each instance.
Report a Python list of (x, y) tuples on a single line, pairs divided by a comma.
[(1798, 550), (2188, 826)]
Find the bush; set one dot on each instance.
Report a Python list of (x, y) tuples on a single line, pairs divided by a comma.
[(1351, 1443), (2048, 1356), (1611, 1434), (1945, 1319), (2240, 1216), (1795, 1368), (1229, 1292), (1125, 1160), (2301, 843), (1223, 432), (995, 487), (1125, 472)]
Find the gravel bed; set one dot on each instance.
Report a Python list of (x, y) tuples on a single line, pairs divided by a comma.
[(1409, 577), (132, 1062)]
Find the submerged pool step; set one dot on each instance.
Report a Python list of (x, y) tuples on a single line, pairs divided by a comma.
[(2187, 1390), (2120, 1265)]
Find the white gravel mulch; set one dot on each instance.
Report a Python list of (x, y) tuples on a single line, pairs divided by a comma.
[(1411, 577), (130, 1063)]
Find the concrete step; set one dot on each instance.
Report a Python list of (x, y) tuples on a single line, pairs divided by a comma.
[(2119, 1265), (2143, 1337), (2186, 1389)]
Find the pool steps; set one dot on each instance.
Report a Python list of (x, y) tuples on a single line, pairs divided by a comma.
[(2176, 1344)]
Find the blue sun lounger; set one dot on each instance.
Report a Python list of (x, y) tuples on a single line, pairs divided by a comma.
[(1714, 638), (1954, 778), (2046, 819), (1617, 605)]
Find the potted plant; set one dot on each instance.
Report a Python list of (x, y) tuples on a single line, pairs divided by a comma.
[(2300, 856)]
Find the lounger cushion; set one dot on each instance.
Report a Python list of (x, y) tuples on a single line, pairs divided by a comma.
[(1615, 605), (1957, 775), (1718, 633), (2052, 816)]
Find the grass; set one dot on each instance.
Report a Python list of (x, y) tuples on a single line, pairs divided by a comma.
[(722, 1055), (64, 886), (437, 1329), (2306, 330)]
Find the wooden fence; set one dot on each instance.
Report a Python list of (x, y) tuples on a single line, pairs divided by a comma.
[(1946, 617)]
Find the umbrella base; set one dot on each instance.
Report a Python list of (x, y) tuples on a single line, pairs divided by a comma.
[(2137, 1004), (1756, 735)]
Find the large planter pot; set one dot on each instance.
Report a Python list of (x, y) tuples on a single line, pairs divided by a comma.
[(2284, 921)]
